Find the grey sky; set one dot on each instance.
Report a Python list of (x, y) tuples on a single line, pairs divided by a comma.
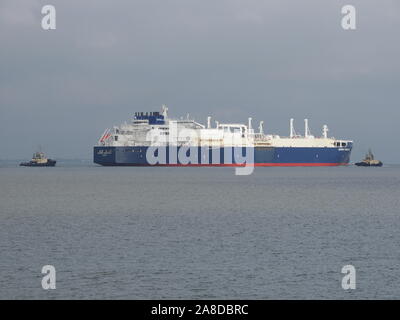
[(231, 59)]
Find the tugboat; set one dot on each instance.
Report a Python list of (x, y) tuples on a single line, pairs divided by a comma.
[(39, 160), (369, 161)]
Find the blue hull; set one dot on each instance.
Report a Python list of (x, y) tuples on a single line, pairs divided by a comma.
[(263, 156)]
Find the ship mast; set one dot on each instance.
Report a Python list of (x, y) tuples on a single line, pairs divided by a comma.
[(164, 111), (370, 155), (292, 131)]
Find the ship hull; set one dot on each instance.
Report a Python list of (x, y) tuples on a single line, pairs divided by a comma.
[(221, 157)]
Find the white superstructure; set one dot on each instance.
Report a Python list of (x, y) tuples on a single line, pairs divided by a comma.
[(158, 129)]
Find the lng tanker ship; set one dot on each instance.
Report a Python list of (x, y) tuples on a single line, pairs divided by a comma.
[(154, 139)]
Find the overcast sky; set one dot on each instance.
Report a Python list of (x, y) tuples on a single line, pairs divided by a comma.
[(231, 59)]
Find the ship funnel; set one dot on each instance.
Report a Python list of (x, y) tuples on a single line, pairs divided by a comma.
[(217, 124), (208, 122), (249, 126)]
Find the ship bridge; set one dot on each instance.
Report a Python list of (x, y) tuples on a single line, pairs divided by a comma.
[(154, 117)]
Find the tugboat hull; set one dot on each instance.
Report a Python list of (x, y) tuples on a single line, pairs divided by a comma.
[(364, 164), (49, 163)]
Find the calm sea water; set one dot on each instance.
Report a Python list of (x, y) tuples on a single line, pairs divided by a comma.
[(199, 233)]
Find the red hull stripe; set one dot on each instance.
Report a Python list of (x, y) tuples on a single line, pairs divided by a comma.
[(256, 165)]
